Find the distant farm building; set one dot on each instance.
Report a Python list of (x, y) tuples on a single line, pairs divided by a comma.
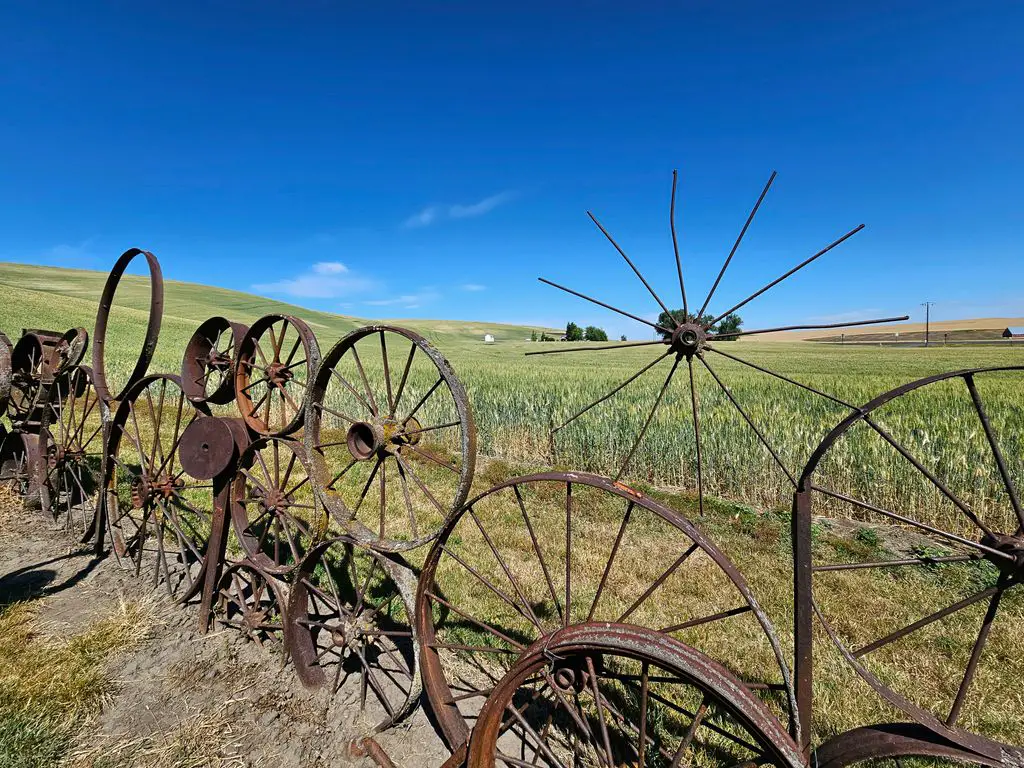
[(1014, 332), (488, 338)]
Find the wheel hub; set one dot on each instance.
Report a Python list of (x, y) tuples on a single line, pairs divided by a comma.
[(354, 633), (146, 489), (218, 361), (278, 374), (1010, 545), (688, 339), (275, 500), (368, 439)]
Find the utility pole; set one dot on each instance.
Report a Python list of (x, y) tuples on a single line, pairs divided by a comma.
[(927, 319)]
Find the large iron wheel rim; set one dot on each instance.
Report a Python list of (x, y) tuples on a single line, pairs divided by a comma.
[(570, 667), (386, 432), (610, 594), (989, 559), (156, 515), (275, 513), (208, 367), (156, 311), (350, 613), (872, 745), (271, 370), (71, 464)]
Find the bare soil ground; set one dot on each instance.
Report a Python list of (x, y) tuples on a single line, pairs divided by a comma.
[(182, 698)]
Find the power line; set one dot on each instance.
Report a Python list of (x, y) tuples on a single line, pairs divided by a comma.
[(927, 319)]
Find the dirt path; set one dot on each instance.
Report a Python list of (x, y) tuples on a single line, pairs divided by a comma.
[(183, 698)]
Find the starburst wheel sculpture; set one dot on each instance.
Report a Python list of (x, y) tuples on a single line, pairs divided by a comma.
[(689, 342)]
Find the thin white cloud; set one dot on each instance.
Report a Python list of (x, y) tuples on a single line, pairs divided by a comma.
[(323, 280), (329, 268), (473, 287), (434, 213), (406, 301)]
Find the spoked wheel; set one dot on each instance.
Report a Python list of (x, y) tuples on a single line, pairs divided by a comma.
[(208, 368), (18, 453), (687, 345), (918, 567), (540, 553), (71, 349), (251, 602), (274, 510), (71, 463), (897, 745), (610, 695), (5, 372), (158, 516), (275, 364), (392, 433), (351, 610), (31, 369)]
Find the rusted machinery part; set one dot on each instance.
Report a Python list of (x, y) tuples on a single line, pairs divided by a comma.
[(6, 342), (986, 545), (156, 311), (156, 515), (655, 700), (274, 511), (70, 466), (19, 453), (391, 433), (514, 557), (33, 364), (208, 368), (275, 364), (5, 373), (71, 349), (253, 603), (887, 743), (350, 614)]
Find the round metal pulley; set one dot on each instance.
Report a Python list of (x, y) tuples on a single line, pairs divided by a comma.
[(207, 447)]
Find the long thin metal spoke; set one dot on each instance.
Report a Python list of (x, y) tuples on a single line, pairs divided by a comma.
[(631, 379), (657, 583), (423, 399), (568, 553), (486, 627), (366, 488), (423, 486), (972, 664), (736, 245), (387, 374), (408, 501), (779, 376), (750, 423), (695, 410), (707, 619), (795, 269), (598, 698), (657, 327), (345, 382), (894, 563), (675, 248), (691, 732), (622, 345), (647, 423), (536, 548), (817, 326), (401, 383), (1011, 490), (366, 383), (632, 266), (432, 458), (611, 559), (644, 683)]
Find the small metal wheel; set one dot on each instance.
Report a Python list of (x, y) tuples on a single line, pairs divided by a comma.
[(158, 516), (391, 430), (350, 613), (540, 553), (71, 464), (18, 453), (107, 391), (610, 695), (275, 513), (275, 364), (70, 349), (5, 373), (251, 602), (32, 363), (896, 745), (916, 569), (208, 369)]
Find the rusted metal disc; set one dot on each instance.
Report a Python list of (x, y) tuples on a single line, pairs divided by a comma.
[(537, 553), (156, 311), (275, 364), (614, 694), (391, 434), (935, 555), (208, 368), (207, 448)]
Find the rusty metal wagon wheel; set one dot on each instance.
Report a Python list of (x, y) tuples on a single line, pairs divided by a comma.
[(275, 364), (609, 695), (547, 551), (689, 341), (71, 349), (71, 464), (275, 512), (158, 516), (208, 368), (350, 620), (32, 363), (18, 454), (392, 434), (253, 603), (924, 599), (156, 310), (894, 745)]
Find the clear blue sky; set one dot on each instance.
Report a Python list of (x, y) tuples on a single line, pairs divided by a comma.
[(433, 165)]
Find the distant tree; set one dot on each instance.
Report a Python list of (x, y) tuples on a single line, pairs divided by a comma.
[(545, 337), (573, 332), (622, 337), (593, 333), (533, 335), (668, 320), (729, 324)]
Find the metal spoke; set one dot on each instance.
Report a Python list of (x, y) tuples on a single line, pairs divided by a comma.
[(675, 244), (657, 583), (972, 664), (1011, 490), (736, 334), (621, 345), (611, 558), (696, 436), (606, 306), (647, 423)]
